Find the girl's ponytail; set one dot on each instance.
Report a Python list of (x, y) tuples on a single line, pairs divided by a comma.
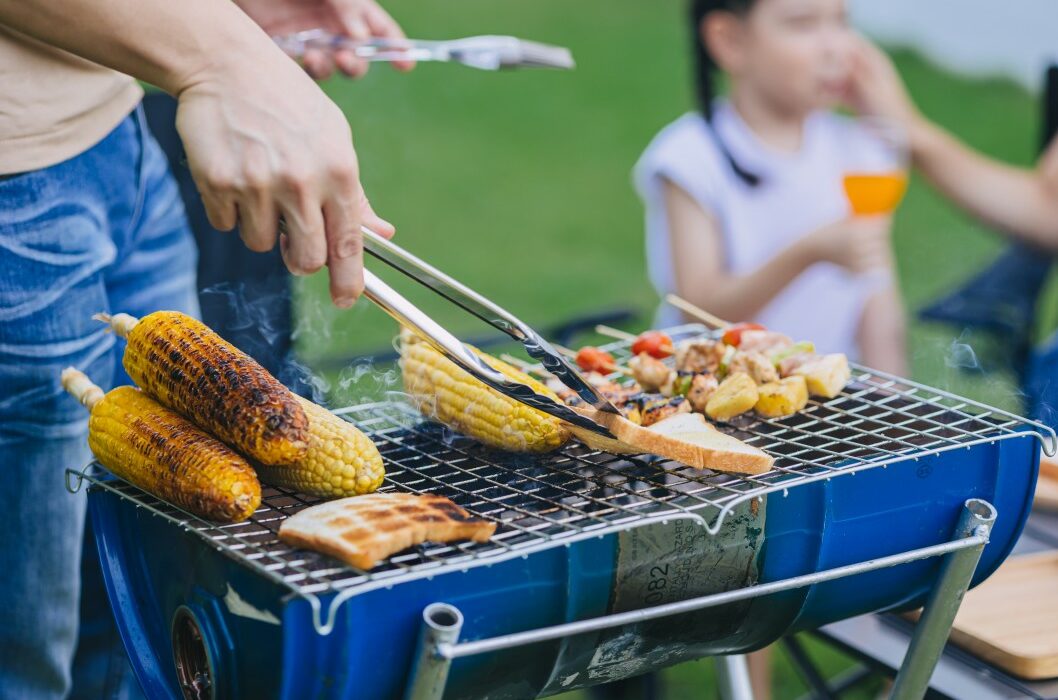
[(705, 69)]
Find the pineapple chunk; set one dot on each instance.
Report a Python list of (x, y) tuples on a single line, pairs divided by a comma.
[(735, 395), (826, 376), (782, 398)]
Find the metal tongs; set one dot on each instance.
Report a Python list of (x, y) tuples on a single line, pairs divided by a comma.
[(484, 52), (433, 279)]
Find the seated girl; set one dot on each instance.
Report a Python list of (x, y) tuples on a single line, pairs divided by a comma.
[(746, 215)]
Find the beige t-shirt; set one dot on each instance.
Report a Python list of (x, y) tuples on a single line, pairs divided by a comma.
[(54, 105)]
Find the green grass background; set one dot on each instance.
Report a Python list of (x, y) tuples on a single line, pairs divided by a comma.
[(519, 185)]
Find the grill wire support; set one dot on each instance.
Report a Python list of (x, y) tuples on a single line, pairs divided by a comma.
[(961, 555)]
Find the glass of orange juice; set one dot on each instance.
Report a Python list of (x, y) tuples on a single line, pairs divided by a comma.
[(876, 169)]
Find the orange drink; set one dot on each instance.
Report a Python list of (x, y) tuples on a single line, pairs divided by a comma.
[(875, 193)]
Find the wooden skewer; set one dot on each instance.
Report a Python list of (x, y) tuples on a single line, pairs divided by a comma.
[(572, 354), (539, 371), (614, 332), (699, 313), (81, 387)]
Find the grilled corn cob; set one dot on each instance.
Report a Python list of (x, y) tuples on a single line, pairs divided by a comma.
[(187, 367), (452, 396), (163, 453), (340, 460)]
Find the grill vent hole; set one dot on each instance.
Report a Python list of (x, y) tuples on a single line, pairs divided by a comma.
[(191, 657)]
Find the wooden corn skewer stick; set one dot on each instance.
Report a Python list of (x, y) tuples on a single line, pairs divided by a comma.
[(81, 387), (614, 333), (699, 313), (121, 324)]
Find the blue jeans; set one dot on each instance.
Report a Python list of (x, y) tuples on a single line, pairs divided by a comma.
[(103, 231)]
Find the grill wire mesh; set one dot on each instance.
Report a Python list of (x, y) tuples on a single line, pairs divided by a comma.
[(545, 501)]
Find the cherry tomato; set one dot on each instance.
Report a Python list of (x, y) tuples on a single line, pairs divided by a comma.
[(654, 343), (733, 333), (591, 359)]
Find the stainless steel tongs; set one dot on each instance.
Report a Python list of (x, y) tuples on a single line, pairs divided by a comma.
[(433, 279), (484, 52)]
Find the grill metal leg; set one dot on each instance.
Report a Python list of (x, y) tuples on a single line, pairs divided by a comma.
[(441, 624), (732, 677), (934, 626)]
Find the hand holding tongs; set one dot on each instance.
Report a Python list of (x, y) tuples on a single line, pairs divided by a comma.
[(430, 277), (484, 52)]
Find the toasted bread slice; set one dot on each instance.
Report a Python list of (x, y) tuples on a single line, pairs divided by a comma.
[(364, 530), (685, 437)]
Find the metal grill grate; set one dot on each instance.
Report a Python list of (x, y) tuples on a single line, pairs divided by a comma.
[(545, 501)]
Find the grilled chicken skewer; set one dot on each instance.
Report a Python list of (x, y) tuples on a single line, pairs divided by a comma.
[(749, 368), (825, 375), (640, 407), (750, 378)]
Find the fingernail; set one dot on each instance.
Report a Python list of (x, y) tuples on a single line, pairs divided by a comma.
[(344, 302)]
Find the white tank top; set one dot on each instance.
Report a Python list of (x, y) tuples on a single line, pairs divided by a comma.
[(798, 193)]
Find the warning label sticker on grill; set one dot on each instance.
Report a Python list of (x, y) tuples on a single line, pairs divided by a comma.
[(664, 563)]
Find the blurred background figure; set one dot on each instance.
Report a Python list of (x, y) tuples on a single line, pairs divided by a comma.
[(764, 205), (1020, 203)]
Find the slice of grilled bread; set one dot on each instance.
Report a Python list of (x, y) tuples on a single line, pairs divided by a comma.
[(684, 437), (364, 530)]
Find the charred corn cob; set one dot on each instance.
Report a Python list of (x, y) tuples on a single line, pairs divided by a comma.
[(452, 396), (164, 454), (187, 367), (340, 460)]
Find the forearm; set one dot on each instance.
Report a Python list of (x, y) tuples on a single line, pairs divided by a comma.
[(1016, 200), (741, 297), (169, 44)]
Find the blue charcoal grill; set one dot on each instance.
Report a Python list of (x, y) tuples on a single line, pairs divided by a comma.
[(583, 580)]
